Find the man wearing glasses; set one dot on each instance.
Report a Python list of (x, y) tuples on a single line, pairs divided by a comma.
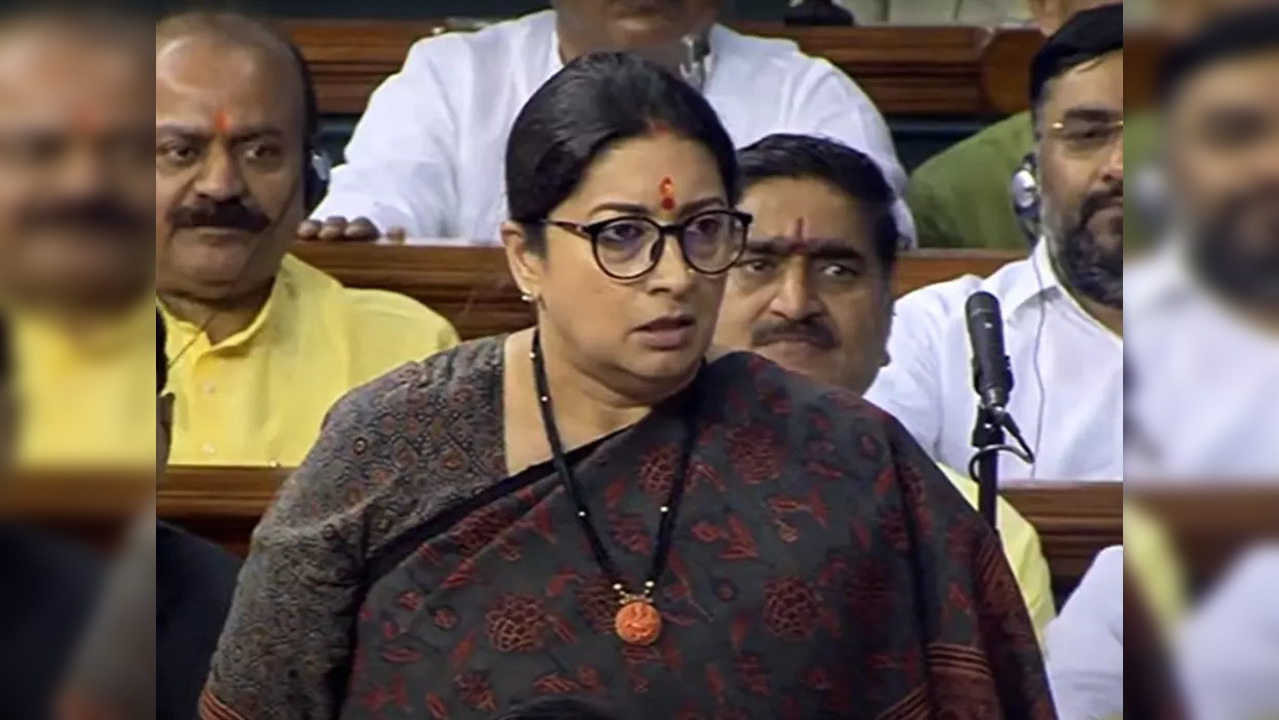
[(1062, 307)]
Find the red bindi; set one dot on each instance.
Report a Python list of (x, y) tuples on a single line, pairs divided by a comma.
[(87, 123), (667, 192), (222, 123)]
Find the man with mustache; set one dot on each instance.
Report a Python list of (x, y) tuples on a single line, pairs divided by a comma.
[(1062, 307), (813, 292), (1203, 316), (261, 343), (424, 156), (75, 263)]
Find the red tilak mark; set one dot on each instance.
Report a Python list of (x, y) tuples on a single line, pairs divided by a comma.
[(87, 122), (660, 128), (667, 191), (222, 123), (799, 243)]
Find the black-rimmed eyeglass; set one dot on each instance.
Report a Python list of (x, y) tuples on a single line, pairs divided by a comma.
[(628, 247)]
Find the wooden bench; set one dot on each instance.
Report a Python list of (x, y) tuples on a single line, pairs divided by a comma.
[(473, 288), (907, 71), (1074, 520)]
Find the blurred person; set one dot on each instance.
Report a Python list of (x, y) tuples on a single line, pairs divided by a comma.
[(960, 197), (46, 585), (262, 343), (813, 292), (606, 503), (1062, 307), (1085, 644), (424, 156), (1229, 651), (75, 263), (1204, 318), (147, 653)]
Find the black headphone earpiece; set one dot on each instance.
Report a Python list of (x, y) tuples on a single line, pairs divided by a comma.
[(317, 166), (1023, 189)]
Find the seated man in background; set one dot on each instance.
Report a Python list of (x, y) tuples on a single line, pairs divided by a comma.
[(75, 264), (814, 293), (1203, 313), (960, 197), (426, 157), (1062, 307), (262, 343), (148, 650), (1228, 654), (46, 589), (1085, 645)]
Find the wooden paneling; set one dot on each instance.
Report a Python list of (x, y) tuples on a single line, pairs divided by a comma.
[(1075, 520), (906, 71), (473, 288), (1005, 68)]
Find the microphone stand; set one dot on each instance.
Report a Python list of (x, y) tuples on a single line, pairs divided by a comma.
[(990, 433)]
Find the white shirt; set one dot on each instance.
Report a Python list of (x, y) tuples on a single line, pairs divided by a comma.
[(1067, 368), (1203, 395), (428, 154), (1229, 649), (1084, 646)]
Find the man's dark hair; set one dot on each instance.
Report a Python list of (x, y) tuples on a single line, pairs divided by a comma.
[(161, 355), (1087, 36), (804, 157), (1237, 35), (557, 708)]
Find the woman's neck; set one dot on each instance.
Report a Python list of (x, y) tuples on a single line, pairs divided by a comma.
[(588, 407)]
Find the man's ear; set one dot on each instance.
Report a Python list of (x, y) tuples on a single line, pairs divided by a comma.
[(526, 266)]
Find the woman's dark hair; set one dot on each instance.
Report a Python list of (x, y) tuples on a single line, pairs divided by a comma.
[(595, 102), (803, 157), (557, 708)]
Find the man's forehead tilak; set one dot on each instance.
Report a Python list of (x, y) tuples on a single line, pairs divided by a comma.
[(800, 243)]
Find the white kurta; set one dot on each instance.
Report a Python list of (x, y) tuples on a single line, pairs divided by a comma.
[(428, 153), (1067, 395), (1203, 396)]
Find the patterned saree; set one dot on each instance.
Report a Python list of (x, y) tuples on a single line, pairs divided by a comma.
[(821, 566)]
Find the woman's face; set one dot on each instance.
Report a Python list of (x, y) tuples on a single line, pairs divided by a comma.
[(657, 326)]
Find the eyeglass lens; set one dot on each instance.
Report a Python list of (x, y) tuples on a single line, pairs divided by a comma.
[(630, 247)]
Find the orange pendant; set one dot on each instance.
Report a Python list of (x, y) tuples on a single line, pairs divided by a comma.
[(638, 622)]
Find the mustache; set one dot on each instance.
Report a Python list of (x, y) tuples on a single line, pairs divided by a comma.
[(1096, 202), (810, 330), (94, 213), (1253, 199), (231, 215)]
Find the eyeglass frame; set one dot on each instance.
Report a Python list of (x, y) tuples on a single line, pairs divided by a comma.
[(591, 233), (1114, 127)]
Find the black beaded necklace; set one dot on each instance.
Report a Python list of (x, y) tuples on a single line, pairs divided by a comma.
[(637, 622)]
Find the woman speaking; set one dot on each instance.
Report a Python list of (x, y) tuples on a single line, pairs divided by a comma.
[(604, 505)]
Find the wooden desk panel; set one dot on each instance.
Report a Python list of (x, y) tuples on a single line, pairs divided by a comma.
[(473, 288), (1075, 520), (906, 71)]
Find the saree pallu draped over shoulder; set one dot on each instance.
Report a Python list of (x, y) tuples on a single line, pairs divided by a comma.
[(821, 566)]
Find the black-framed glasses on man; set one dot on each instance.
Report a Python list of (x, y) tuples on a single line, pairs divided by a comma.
[(1088, 134), (630, 246)]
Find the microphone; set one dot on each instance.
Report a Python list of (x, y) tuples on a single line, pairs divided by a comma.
[(992, 372)]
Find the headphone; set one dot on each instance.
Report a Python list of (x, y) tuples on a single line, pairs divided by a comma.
[(317, 167), (1024, 191)]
